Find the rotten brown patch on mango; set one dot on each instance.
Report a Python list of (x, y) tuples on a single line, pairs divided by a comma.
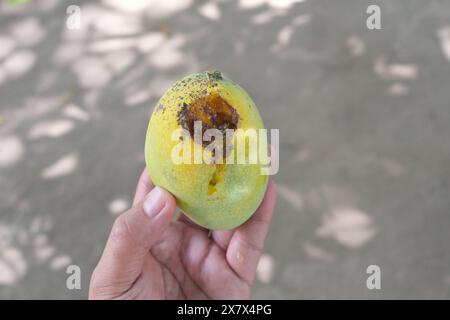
[(214, 113)]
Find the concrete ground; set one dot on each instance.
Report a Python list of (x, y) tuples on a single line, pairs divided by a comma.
[(364, 119)]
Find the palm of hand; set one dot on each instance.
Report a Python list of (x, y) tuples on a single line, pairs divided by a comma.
[(187, 264), (187, 261)]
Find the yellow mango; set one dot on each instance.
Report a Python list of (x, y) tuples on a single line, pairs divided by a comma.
[(215, 195)]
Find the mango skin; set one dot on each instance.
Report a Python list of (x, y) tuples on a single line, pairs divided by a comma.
[(242, 186)]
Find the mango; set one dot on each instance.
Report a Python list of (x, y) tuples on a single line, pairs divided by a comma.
[(215, 194)]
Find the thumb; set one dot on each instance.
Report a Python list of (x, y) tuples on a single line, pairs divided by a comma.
[(133, 234)]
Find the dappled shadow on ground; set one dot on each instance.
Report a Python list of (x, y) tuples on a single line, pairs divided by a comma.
[(363, 118)]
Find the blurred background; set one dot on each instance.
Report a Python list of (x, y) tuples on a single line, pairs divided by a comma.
[(364, 119)]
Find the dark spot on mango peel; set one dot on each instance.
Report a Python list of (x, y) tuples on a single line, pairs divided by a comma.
[(214, 113)]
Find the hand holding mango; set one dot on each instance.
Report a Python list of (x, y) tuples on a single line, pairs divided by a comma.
[(196, 140), (149, 255)]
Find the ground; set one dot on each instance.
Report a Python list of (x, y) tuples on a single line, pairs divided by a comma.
[(364, 119)]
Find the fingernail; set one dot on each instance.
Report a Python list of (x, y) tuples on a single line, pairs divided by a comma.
[(154, 202)]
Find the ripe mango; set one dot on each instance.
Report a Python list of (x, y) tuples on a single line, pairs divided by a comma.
[(215, 195)]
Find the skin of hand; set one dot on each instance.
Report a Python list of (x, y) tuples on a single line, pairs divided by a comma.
[(151, 255)]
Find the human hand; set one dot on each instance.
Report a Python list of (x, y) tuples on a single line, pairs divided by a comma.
[(150, 256)]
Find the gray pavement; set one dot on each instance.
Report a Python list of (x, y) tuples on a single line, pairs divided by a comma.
[(364, 119)]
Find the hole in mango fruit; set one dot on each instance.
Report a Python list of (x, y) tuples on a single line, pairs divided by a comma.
[(217, 177), (214, 113)]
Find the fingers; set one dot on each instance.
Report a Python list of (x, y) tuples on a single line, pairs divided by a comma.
[(143, 187), (222, 237), (133, 234), (206, 264), (247, 242)]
